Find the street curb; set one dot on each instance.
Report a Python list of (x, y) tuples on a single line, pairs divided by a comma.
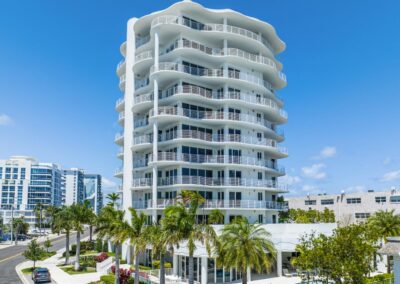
[(20, 274)]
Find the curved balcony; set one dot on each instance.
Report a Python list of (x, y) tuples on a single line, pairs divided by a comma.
[(197, 181), (214, 73), (215, 204), (122, 48), (265, 144), (219, 160), (245, 57), (143, 61), (264, 104), (168, 114), (140, 122), (121, 117), (211, 27), (120, 153), (119, 138), (119, 172), (121, 67), (122, 80), (119, 104), (141, 83), (141, 40)]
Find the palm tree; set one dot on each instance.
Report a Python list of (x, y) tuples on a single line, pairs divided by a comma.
[(137, 237), (64, 221), (111, 225), (216, 217), (113, 197), (91, 219), (242, 245), (80, 214), (39, 215), (385, 224), (51, 212), (181, 224)]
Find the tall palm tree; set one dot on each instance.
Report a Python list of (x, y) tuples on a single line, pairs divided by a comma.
[(113, 198), (242, 245), (80, 214), (181, 225), (137, 237), (63, 221), (91, 219), (111, 225), (51, 212), (216, 217), (385, 224), (38, 209)]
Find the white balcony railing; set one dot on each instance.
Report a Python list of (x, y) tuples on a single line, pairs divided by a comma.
[(213, 73), (143, 56), (141, 40), (235, 52), (120, 64), (210, 27), (204, 136), (119, 102), (214, 204), (209, 181), (213, 95), (121, 116), (119, 136), (212, 159), (213, 115)]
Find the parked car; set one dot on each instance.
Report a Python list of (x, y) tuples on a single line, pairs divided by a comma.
[(41, 275)]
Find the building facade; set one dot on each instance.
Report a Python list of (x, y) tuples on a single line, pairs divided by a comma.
[(73, 186), (93, 191), (200, 112), (24, 183), (350, 207)]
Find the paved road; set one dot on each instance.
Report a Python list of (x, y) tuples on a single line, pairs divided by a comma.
[(11, 256)]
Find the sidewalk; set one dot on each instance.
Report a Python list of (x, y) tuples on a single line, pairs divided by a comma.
[(57, 274)]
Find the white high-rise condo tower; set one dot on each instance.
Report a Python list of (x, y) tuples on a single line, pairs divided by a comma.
[(200, 112)]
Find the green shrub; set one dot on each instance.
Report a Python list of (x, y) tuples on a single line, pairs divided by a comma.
[(380, 278), (156, 264), (105, 246), (108, 279), (99, 245)]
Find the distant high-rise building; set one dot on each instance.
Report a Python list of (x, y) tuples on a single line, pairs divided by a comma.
[(25, 183), (93, 191), (73, 186)]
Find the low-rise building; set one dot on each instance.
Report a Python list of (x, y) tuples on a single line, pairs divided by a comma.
[(349, 207)]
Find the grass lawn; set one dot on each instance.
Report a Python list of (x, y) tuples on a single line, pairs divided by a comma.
[(28, 270), (70, 269), (47, 255)]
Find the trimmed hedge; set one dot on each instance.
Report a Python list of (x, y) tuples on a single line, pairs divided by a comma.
[(380, 278)]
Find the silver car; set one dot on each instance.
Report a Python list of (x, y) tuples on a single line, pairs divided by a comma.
[(41, 275)]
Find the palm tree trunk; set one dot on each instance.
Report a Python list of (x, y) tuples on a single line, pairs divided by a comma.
[(244, 276), (116, 263), (162, 268), (66, 247), (191, 274), (90, 233), (388, 264), (136, 268), (78, 250)]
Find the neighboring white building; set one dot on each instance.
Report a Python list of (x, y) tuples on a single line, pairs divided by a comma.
[(93, 191), (24, 183), (74, 188), (200, 112), (349, 207)]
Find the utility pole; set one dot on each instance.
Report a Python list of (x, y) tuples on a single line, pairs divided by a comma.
[(12, 222)]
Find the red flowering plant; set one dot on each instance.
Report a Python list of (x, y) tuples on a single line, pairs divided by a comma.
[(101, 257), (124, 274)]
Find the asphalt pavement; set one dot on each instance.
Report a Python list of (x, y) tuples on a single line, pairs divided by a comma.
[(10, 257)]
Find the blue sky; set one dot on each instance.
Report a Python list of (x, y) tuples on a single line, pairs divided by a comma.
[(58, 85)]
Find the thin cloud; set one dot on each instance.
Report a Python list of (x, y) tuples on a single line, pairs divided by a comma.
[(5, 120), (391, 176), (106, 183), (314, 171), (326, 152), (290, 180), (355, 188)]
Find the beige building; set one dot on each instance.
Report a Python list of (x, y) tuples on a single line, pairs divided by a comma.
[(350, 207)]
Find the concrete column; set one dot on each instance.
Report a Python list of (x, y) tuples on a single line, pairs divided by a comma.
[(248, 274), (396, 269), (155, 130), (279, 263), (175, 263), (204, 271)]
